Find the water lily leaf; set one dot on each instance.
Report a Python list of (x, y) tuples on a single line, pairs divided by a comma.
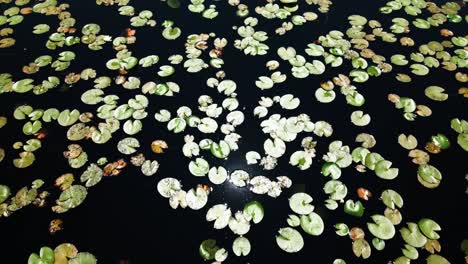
[(336, 190), (65, 250), (429, 175), (67, 117), (289, 102), (412, 236), (193, 65), (382, 227), (359, 63), (436, 259), (300, 203), (78, 162), (173, 3), (92, 96), (26, 159), (70, 198), (113, 64), (361, 248), (301, 159), (196, 198), (210, 13), (227, 87), (436, 93), (378, 243), (264, 83), (176, 125), (220, 214), (419, 69), (316, 67), (67, 56), (357, 20), (217, 175), (30, 128), (148, 61), (78, 132), (254, 211), (32, 145), (167, 70), (391, 199), (286, 53), (207, 125), (91, 29), (4, 193), (312, 224), (199, 167), (293, 220), (289, 240), (383, 170), (3, 121), (220, 150), (102, 82), (421, 23), (65, 181), (408, 142), (462, 140), (92, 175), (14, 20), (163, 116), (149, 168), (358, 118), (171, 33), (132, 83), (41, 28), (314, 50), (132, 127), (12, 11), (7, 42), (241, 246), (168, 186), (44, 60), (46, 256), (208, 249), (128, 145), (23, 86), (459, 41), (87, 74), (359, 76), (83, 258), (429, 228), (21, 112), (324, 96)]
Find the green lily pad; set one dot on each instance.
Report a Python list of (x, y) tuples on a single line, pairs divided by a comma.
[(207, 249), (382, 227), (312, 224), (4, 193), (412, 236), (254, 211), (25, 160), (289, 240), (83, 258), (429, 228), (241, 246), (92, 175)]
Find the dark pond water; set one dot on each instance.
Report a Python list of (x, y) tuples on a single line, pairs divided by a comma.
[(125, 219)]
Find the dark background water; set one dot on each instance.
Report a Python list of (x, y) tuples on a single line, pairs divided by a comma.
[(124, 218)]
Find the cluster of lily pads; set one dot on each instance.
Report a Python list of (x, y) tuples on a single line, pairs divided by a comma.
[(357, 48), (288, 238), (239, 224), (63, 253)]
